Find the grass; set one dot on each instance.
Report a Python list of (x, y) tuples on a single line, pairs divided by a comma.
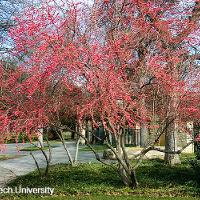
[(97, 148), (35, 148), (7, 157), (100, 148), (100, 197), (97, 181)]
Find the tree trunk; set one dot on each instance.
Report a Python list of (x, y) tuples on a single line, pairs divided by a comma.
[(40, 138), (171, 145), (144, 134), (60, 135), (83, 133), (143, 125), (77, 150), (125, 171), (171, 133), (129, 178), (143, 112)]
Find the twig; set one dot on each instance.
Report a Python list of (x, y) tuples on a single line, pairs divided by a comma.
[(87, 143), (65, 147), (36, 163)]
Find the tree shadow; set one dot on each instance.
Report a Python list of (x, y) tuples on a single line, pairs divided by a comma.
[(161, 175)]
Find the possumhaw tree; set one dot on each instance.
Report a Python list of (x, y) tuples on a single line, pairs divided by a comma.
[(119, 62)]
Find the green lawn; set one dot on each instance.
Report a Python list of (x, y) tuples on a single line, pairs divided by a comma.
[(97, 181), (34, 148), (7, 156), (98, 148), (100, 197)]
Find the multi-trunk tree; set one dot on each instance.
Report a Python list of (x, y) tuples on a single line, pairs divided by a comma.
[(118, 63)]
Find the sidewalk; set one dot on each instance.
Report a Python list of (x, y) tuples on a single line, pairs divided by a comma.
[(12, 168), (6, 176)]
